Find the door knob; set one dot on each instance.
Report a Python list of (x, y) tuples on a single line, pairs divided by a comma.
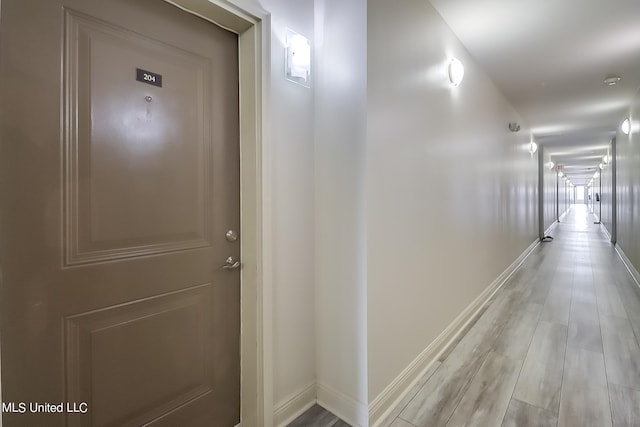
[(231, 263)]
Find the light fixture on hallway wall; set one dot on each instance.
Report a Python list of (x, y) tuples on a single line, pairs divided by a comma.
[(605, 159), (533, 147), (514, 126), (625, 127), (550, 165), (298, 58), (560, 174), (601, 166), (612, 80), (456, 72)]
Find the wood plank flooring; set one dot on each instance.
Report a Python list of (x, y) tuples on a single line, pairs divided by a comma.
[(317, 416), (558, 346)]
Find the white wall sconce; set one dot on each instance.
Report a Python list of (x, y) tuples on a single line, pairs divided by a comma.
[(533, 147), (605, 160), (625, 127), (456, 72), (601, 166), (612, 80), (298, 58), (550, 165), (560, 174)]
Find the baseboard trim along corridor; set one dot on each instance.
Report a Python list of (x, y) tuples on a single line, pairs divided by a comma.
[(383, 405)]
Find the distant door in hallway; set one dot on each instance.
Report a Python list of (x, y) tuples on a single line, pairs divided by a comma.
[(120, 180)]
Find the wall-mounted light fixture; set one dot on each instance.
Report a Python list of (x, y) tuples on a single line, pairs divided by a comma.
[(560, 174), (533, 147), (298, 58), (601, 166), (605, 159), (550, 165), (456, 72), (625, 127), (612, 80), (514, 127)]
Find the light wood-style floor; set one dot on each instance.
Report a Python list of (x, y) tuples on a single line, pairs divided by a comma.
[(317, 416), (557, 346)]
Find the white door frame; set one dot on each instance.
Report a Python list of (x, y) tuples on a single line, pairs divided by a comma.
[(253, 29)]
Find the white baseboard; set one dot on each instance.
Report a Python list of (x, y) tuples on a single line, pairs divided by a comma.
[(346, 408), (551, 228), (605, 231), (627, 263), (293, 406), (385, 402)]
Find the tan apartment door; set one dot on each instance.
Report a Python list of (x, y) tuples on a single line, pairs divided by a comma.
[(119, 197)]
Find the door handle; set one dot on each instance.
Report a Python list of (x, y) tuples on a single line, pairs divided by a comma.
[(231, 263)]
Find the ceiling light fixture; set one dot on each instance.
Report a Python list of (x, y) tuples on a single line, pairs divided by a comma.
[(626, 126), (612, 80), (456, 71)]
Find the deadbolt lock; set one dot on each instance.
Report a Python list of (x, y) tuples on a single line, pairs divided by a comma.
[(231, 236)]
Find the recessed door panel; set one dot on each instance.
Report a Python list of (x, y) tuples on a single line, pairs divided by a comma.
[(137, 150), (136, 361)]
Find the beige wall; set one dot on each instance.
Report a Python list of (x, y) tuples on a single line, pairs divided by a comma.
[(606, 198), (563, 197), (375, 201), (628, 190), (289, 169), (340, 132), (447, 184), (549, 194)]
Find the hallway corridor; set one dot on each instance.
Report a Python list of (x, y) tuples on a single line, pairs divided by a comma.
[(556, 346)]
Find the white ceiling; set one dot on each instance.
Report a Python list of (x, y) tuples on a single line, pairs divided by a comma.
[(550, 57)]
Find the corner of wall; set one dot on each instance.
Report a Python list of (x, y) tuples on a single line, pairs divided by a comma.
[(294, 405)]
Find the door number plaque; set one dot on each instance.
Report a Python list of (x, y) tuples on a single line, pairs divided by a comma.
[(148, 77)]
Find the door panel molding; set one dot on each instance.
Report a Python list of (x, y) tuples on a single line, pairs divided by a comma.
[(94, 230), (154, 333)]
